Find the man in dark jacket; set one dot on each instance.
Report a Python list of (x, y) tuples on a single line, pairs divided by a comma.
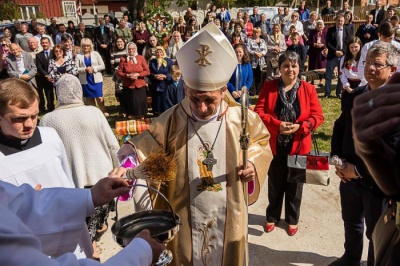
[(81, 33), (255, 17), (52, 29), (337, 38), (361, 199), (103, 42), (378, 14), (367, 32), (44, 82), (328, 10)]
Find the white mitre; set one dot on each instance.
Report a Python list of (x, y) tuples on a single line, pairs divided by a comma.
[(207, 60)]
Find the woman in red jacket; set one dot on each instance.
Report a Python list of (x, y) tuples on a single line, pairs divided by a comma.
[(290, 109), (132, 70)]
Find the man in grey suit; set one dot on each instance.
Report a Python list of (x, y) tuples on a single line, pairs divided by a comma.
[(21, 65)]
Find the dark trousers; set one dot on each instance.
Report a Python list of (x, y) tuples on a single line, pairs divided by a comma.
[(359, 205), (353, 85), (330, 68), (257, 80), (278, 187), (158, 103), (106, 55), (45, 89)]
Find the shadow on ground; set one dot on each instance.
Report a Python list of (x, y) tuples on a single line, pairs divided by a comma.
[(284, 257)]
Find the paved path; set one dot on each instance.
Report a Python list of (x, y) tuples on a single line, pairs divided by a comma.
[(319, 240)]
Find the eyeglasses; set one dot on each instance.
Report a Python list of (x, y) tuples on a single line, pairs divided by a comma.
[(3, 44), (374, 65), (295, 16)]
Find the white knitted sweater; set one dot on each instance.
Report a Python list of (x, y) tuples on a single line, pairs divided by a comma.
[(89, 142)]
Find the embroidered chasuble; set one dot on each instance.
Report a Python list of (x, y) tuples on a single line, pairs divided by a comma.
[(207, 191), (210, 203)]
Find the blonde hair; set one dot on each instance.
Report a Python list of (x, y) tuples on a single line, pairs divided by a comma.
[(87, 41), (175, 70), (296, 13), (256, 29)]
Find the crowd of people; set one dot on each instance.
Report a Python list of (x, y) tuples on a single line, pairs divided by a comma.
[(263, 39), (202, 69)]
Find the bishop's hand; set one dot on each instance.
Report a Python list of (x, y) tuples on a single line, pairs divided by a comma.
[(248, 174)]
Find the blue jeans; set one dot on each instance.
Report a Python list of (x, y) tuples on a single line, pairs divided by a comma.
[(359, 205), (330, 67)]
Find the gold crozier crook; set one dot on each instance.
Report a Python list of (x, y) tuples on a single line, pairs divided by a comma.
[(244, 146)]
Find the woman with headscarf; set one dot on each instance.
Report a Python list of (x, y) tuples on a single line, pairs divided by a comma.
[(174, 45), (84, 129), (132, 70), (159, 76)]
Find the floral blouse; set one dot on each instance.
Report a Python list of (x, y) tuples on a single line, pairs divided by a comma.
[(348, 72), (68, 67), (253, 47)]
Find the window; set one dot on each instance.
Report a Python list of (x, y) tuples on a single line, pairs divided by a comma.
[(29, 12), (69, 8), (371, 2)]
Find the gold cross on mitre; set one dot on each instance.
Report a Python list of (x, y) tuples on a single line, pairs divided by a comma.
[(203, 52)]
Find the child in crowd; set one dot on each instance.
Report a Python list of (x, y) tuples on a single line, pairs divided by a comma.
[(288, 40), (348, 68), (174, 92), (297, 47)]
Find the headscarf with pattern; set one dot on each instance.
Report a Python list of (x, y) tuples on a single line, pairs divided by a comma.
[(161, 61), (69, 90), (128, 57)]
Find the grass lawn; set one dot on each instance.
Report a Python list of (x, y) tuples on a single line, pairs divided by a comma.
[(330, 107)]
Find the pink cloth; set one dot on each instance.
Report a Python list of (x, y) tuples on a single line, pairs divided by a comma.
[(129, 162)]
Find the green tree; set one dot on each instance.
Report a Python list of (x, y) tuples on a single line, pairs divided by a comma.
[(9, 10)]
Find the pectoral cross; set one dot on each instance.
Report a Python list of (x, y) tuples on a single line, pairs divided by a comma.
[(210, 161)]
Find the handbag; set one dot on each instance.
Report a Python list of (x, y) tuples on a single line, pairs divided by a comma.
[(312, 168), (386, 238)]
